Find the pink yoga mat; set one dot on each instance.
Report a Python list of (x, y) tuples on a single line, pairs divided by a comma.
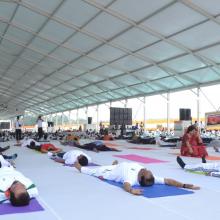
[(140, 159)]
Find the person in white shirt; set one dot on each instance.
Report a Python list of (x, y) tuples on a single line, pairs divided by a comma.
[(215, 144), (14, 186), (130, 174), (27, 142), (18, 125), (210, 169), (70, 157), (40, 127)]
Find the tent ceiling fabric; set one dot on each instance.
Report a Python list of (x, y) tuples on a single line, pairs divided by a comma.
[(57, 55)]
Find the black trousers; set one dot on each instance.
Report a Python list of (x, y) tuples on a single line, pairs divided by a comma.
[(40, 133), (18, 134)]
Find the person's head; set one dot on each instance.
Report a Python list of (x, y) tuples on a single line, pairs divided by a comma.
[(39, 117), (83, 160), (32, 144), (145, 177), (18, 117), (191, 129), (18, 195)]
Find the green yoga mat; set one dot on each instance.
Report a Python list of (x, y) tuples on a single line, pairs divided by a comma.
[(197, 172)]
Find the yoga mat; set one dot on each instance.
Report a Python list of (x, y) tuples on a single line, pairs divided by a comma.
[(197, 172), (140, 159), (212, 158), (141, 148), (7, 208), (156, 190), (207, 158)]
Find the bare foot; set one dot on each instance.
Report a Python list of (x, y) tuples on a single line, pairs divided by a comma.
[(115, 162)]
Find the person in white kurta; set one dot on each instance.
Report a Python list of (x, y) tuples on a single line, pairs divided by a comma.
[(72, 156), (212, 169), (123, 172), (27, 142), (8, 177), (130, 174), (18, 126), (215, 144)]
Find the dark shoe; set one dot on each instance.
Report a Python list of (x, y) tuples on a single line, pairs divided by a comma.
[(203, 160), (180, 162), (2, 149)]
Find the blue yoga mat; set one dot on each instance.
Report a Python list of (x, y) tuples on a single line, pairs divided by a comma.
[(157, 190)]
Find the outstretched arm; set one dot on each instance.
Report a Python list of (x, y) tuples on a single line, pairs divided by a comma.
[(77, 166), (172, 182), (127, 187)]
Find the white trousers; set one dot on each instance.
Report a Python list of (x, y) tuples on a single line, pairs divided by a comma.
[(212, 168), (4, 163)]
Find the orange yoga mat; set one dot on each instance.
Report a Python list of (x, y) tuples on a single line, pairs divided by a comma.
[(207, 158)]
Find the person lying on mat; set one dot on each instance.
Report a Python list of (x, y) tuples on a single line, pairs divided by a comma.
[(43, 148), (70, 157), (130, 174), (95, 146), (26, 142), (210, 169), (7, 157), (14, 186), (192, 144), (2, 149)]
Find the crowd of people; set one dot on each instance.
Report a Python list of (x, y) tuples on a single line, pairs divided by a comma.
[(18, 189)]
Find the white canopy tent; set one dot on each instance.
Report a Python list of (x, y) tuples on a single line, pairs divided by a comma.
[(58, 55)]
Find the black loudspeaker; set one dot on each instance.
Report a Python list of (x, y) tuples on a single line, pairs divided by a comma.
[(89, 120), (120, 116), (185, 114)]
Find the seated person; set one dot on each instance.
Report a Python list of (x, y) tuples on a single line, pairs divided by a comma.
[(70, 157), (95, 146), (135, 139), (130, 174), (108, 137), (215, 144), (70, 140), (44, 148), (14, 186), (191, 144), (211, 169)]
